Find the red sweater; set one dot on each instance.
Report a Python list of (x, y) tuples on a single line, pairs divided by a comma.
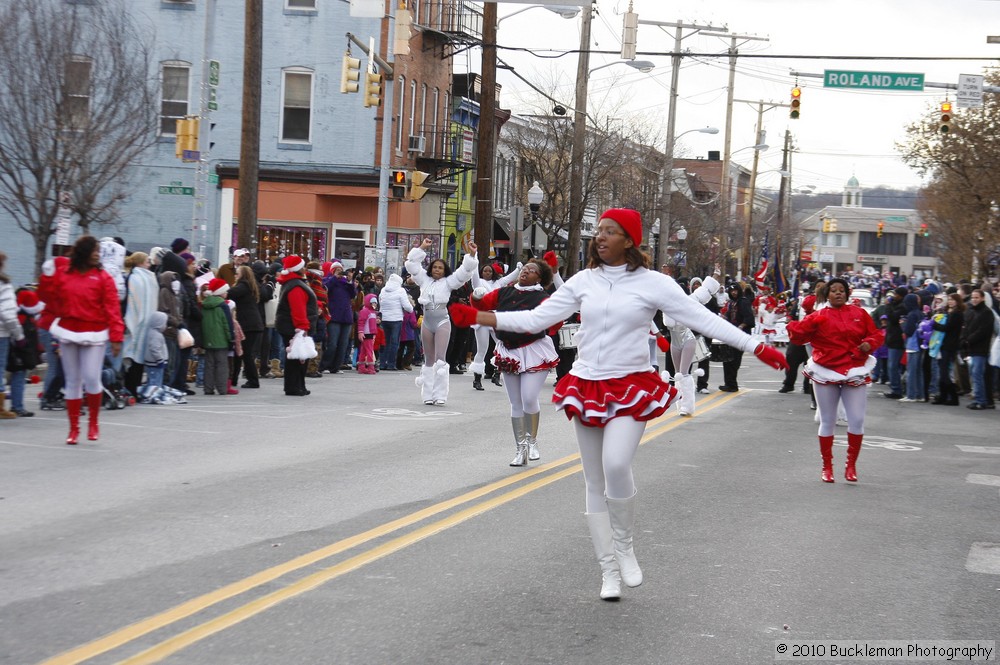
[(835, 334), (86, 303)]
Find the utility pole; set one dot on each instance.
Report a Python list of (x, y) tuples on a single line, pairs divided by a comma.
[(250, 130), (666, 179), (487, 132), (783, 191), (753, 192), (579, 144)]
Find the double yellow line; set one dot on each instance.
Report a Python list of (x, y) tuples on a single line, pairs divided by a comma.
[(548, 472)]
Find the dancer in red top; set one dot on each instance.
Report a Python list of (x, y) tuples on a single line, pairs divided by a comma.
[(843, 337), (85, 302)]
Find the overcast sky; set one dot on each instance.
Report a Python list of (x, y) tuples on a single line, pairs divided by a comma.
[(840, 133)]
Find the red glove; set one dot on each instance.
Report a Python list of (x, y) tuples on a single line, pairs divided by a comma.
[(663, 343), (463, 315), (551, 258), (771, 356)]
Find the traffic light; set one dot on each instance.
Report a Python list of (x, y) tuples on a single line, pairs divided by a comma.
[(186, 138), (945, 126), (924, 231), (796, 102), (826, 226), (373, 89), (833, 226), (881, 227), (351, 73), (399, 184), (417, 189)]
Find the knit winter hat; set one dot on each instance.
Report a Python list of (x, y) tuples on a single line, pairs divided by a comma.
[(325, 267), (292, 264), (629, 220), (28, 301), (179, 245), (218, 287), (334, 265), (188, 256)]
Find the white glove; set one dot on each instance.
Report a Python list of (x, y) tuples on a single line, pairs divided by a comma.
[(478, 292)]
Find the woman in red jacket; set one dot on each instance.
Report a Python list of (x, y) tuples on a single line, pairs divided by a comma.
[(88, 317), (843, 337)]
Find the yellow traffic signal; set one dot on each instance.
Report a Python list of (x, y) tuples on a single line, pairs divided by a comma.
[(945, 126), (373, 89), (417, 189), (398, 184), (186, 138), (881, 227), (351, 74), (795, 103), (826, 226), (833, 226)]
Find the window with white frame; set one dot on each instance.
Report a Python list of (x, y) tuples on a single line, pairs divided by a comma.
[(296, 105), (434, 125), (300, 4), (413, 107), (76, 92), (423, 109), (175, 94), (401, 108)]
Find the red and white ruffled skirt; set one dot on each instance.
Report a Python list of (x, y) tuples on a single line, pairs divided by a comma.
[(539, 356), (643, 396)]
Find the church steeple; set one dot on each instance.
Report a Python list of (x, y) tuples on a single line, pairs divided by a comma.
[(852, 194)]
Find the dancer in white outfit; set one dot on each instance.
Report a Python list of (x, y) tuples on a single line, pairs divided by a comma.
[(684, 343), (490, 278), (436, 284), (612, 390)]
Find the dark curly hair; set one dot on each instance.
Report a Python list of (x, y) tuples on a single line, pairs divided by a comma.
[(634, 257), (430, 266), (544, 272), (79, 257)]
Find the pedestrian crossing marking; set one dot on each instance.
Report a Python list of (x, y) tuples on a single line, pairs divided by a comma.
[(983, 479), (984, 558), (989, 450)]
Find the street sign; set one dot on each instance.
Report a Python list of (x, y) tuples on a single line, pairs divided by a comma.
[(213, 178), (190, 155), (872, 80), (213, 72), (213, 102), (805, 255), (176, 190), (969, 94), (896, 218)]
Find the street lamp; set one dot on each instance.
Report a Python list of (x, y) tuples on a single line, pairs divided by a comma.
[(644, 66), (564, 12), (535, 198), (666, 191)]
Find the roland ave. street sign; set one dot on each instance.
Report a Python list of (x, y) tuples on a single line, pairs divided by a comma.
[(872, 80)]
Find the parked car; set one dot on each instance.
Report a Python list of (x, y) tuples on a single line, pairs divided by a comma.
[(864, 299)]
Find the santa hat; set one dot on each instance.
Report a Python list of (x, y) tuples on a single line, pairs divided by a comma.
[(59, 262), (292, 264), (335, 264), (218, 287), (326, 267), (629, 220), (497, 270), (28, 301)]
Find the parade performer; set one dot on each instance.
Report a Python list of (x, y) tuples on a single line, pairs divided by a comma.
[(436, 284), (490, 278), (612, 389), (297, 314), (524, 358), (684, 343), (85, 302), (843, 337)]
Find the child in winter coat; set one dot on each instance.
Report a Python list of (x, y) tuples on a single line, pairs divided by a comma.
[(407, 335), (367, 330), (157, 355), (24, 354), (217, 336)]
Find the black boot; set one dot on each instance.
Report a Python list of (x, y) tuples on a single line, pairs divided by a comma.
[(477, 381), (497, 381)]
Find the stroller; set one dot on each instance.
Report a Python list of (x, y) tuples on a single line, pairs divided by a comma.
[(113, 384)]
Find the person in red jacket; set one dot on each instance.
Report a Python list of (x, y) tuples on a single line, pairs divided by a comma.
[(88, 317), (843, 338), (296, 316)]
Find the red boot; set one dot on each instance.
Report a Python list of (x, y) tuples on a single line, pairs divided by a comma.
[(230, 390), (853, 450), (93, 412), (73, 407), (826, 452)]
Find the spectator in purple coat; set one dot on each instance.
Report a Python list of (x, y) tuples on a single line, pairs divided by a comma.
[(341, 292)]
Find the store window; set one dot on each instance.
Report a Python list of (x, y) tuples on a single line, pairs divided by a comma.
[(276, 241)]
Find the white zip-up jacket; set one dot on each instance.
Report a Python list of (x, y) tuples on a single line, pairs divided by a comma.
[(393, 300), (615, 308), (9, 325), (435, 293)]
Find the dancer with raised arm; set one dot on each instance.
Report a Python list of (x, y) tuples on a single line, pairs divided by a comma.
[(612, 389)]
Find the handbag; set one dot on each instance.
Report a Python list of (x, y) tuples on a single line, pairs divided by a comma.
[(302, 347), (185, 339)]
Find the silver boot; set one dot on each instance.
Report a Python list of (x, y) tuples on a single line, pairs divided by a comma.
[(600, 535), (531, 433), (521, 458), (622, 515)]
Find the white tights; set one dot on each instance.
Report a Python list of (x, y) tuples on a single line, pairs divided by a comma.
[(523, 390), (435, 341), (854, 398), (607, 455), (683, 354), (82, 365)]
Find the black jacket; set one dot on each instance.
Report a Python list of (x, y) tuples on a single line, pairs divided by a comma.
[(978, 330)]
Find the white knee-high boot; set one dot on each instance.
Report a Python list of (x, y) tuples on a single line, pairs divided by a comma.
[(425, 381), (622, 515), (600, 535), (685, 386), (441, 382)]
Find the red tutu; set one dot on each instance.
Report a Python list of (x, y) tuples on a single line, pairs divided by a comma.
[(643, 396)]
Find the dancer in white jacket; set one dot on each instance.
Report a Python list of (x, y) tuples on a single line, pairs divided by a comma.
[(612, 389), (683, 344), (489, 279), (436, 284)]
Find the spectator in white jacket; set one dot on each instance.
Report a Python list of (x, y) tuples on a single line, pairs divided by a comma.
[(393, 301), (10, 328)]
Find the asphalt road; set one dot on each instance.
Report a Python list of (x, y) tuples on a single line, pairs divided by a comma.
[(357, 525)]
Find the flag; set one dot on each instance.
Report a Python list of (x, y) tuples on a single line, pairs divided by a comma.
[(780, 285), (760, 277), (796, 271)]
